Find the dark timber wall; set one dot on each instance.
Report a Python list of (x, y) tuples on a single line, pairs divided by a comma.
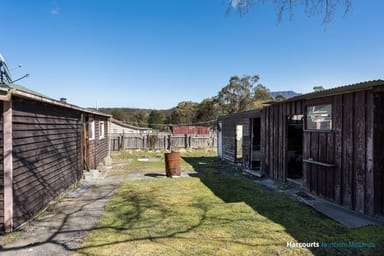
[(274, 138), (378, 141), (46, 155), (353, 149), (229, 123)]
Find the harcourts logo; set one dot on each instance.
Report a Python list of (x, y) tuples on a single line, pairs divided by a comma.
[(303, 245), (325, 244)]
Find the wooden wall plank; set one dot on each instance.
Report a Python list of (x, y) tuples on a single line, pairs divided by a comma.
[(271, 143), (322, 171), (347, 139), (359, 152), (275, 143), (284, 142), (330, 175), (280, 149), (307, 168), (267, 142), (315, 156), (262, 142), (337, 112)]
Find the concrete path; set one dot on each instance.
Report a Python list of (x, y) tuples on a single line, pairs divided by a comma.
[(61, 232)]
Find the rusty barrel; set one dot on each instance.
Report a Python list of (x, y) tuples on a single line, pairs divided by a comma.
[(172, 164)]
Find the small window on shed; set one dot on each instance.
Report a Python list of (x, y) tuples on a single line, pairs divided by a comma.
[(101, 130), (91, 131), (319, 117)]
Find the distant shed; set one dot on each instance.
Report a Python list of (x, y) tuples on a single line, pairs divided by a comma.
[(45, 146), (330, 141), (189, 130), (119, 128), (238, 140)]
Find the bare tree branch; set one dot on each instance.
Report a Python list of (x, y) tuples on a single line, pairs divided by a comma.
[(327, 8)]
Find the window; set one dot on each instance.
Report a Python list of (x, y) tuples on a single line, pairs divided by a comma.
[(319, 117), (101, 130), (91, 132)]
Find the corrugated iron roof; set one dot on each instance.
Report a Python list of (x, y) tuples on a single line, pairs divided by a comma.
[(255, 111), (338, 90)]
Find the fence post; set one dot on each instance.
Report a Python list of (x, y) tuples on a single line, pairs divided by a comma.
[(144, 142), (186, 141), (169, 142)]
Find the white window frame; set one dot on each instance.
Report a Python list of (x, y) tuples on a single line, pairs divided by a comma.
[(92, 130), (101, 130)]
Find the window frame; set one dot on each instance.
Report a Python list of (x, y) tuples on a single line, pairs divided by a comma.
[(92, 130), (314, 104), (101, 130)]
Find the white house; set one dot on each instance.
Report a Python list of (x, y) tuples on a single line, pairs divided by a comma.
[(119, 128)]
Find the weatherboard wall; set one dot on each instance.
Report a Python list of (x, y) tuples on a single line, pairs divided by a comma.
[(47, 156)]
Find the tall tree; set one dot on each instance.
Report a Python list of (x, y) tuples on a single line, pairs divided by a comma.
[(184, 113), (119, 114), (206, 111), (261, 93), (156, 119), (140, 118), (238, 95)]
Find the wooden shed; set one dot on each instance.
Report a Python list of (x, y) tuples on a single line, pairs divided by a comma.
[(189, 130), (45, 146), (331, 141), (239, 138)]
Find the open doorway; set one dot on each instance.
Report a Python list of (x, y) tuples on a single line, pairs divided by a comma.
[(295, 146), (239, 143), (255, 156)]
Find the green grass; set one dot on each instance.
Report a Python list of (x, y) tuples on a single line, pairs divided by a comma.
[(155, 163), (214, 214), (182, 217)]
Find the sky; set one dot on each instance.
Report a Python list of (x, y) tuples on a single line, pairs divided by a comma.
[(156, 53)]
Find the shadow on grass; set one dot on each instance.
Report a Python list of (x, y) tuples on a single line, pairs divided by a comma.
[(138, 212), (302, 222)]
